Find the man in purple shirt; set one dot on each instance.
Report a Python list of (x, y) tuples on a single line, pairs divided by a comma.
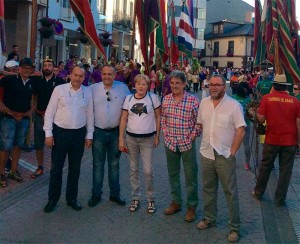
[(96, 76)]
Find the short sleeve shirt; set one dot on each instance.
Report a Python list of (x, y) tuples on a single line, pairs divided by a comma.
[(141, 114)]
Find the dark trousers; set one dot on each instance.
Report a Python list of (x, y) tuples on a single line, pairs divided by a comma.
[(71, 143), (286, 162)]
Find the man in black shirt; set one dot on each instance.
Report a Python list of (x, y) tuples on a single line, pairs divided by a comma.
[(15, 110), (44, 87), (14, 54)]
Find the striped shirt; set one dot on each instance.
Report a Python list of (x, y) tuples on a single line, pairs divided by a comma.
[(178, 121)]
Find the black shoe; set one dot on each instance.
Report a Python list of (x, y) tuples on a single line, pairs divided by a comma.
[(75, 205), (27, 148), (118, 199), (49, 207), (94, 201)]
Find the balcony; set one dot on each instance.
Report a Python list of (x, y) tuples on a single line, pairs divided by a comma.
[(122, 21)]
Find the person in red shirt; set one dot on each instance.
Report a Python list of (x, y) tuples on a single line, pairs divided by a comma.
[(277, 109)]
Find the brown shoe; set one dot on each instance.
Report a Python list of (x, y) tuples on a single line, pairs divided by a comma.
[(204, 224), (190, 215), (174, 208), (233, 236)]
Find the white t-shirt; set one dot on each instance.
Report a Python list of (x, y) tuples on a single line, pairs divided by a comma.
[(219, 125), (141, 117)]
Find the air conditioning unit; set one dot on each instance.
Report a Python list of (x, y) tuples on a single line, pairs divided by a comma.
[(250, 59)]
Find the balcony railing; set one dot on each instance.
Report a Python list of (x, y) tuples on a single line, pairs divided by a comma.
[(122, 21)]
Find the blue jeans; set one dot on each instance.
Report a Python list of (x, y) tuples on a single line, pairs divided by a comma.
[(106, 144)]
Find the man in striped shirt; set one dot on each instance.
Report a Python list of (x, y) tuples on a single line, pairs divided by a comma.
[(178, 120)]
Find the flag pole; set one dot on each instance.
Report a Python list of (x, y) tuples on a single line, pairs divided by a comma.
[(133, 30)]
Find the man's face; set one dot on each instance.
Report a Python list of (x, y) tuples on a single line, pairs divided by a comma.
[(25, 71), (108, 75), (216, 88), (177, 86), (55, 71), (47, 68), (77, 76), (296, 90), (61, 66), (15, 49)]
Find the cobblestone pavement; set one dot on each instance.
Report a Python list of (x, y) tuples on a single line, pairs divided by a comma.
[(22, 219)]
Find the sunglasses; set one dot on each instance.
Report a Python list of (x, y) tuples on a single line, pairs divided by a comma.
[(295, 88), (108, 96)]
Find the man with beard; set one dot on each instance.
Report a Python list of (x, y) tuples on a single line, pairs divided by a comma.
[(222, 121), (44, 86)]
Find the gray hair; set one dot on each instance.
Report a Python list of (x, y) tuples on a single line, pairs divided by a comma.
[(220, 76), (179, 75)]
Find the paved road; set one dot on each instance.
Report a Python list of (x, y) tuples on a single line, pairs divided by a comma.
[(22, 219)]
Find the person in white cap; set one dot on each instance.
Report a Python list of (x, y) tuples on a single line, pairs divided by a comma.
[(282, 114)]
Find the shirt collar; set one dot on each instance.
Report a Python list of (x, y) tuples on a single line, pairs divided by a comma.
[(71, 87)]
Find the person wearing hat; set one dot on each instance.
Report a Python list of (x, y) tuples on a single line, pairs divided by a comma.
[(278, 108), (15, 111)]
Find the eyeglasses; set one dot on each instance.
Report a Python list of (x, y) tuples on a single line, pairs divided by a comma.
[(296, 89), (108, 94), (215, 85)]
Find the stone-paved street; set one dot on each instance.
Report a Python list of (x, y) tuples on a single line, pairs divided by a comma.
[(22, 219)]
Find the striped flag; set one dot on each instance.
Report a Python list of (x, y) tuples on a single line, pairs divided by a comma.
[(185, 33), (174, 53), (83, 13), (190, 4)]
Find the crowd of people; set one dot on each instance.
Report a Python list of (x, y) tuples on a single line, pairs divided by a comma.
[(116, 107)]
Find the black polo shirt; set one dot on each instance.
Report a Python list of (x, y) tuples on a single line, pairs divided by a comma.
[(17, 96), (44, 89)]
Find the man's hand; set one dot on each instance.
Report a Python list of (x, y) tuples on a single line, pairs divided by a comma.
[(156, 140), (49, 141), (88, 143)]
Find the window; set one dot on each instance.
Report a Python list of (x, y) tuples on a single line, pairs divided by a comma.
[(201, 13), (216, 49), (102, 6), (65, 10), (229, 64), (200, 33), (221, 29), (215, 64), (202, 63), (230, 50), (216, 29)]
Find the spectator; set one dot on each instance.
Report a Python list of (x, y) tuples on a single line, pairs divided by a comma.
[(280, 140), (14, 54)]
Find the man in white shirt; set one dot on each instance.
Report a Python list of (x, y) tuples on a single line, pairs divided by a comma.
[(222, 121), (108, 97), (69, 127)]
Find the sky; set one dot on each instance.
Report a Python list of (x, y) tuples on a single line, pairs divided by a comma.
[(251, 2)]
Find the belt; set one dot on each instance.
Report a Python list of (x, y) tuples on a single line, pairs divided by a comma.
[(108, 129)]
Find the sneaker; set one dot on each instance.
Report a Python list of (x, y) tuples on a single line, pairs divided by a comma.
[(204, 224), (247, 166), (15, 176), (39, 171), (3, 180), (233, 236), (190, 215)]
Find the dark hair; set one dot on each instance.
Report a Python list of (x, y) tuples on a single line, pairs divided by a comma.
[(55, 66), (179, 75), (76, 66), (279, 87), (242, 90), (109, 66), (61, 62), (166, 70), (15, 46)]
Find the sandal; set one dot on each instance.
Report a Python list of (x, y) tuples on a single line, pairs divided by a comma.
[(39, 171), (151, 207), (134, 205)]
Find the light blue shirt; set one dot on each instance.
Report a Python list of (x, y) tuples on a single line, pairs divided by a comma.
[(108, 113)]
